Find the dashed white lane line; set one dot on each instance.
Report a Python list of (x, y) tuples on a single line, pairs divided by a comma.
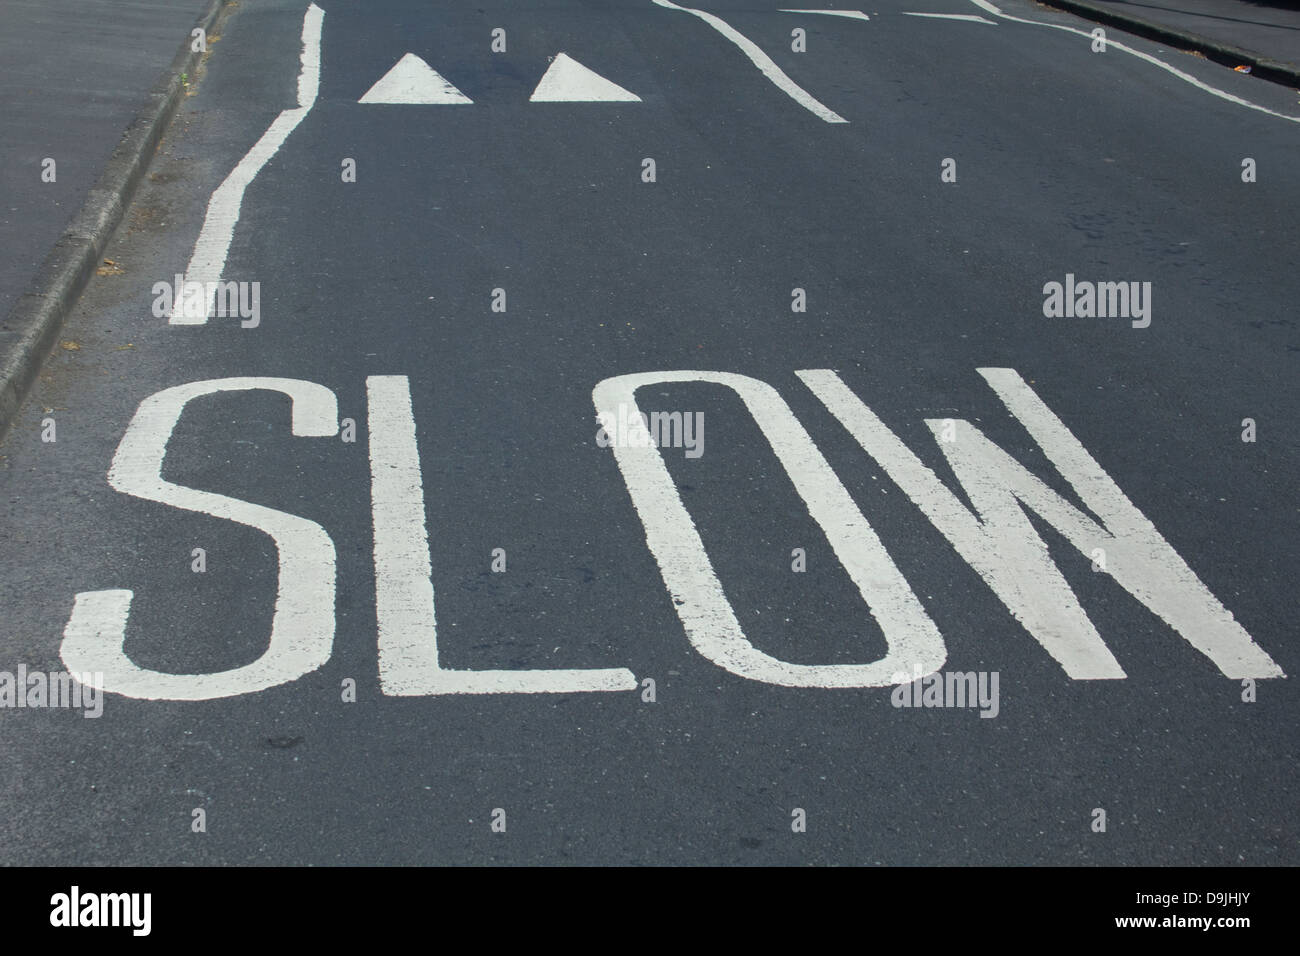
[(970, 18), (851, 14), (763, 62), (1222, 94), (208, 260)]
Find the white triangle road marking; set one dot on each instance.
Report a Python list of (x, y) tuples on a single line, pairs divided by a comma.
[(413, 81), (568, 81)]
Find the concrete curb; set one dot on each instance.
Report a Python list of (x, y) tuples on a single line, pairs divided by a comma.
[(1263, 67), (33, 324)]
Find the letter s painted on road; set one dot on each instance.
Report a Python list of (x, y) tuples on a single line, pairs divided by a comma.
[(302, 630)]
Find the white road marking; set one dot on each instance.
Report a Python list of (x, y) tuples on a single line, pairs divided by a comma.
[(1006, 551), (568, 81), (763, 62), (208, 260), (302, 630), (413, 81), (702, 605), (408, 645), (952, 16), (851, 14), (1222, 94)]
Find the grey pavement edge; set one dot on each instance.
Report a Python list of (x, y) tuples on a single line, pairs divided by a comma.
[(1262, 66), (33, 324)]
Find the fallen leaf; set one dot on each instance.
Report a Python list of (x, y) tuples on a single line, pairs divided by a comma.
[(71, 346)]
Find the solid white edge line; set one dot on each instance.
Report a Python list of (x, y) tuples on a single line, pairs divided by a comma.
[(1222, 94), (208, 261)]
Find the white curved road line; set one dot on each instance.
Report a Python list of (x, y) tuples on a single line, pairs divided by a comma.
[(763, 62), (208, 260), (1222, 94)]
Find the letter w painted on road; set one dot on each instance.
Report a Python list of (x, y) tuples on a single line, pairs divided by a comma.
[(1011, 557), (1000, 544)]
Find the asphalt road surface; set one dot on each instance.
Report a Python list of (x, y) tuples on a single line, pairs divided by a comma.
[(367, 581)]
